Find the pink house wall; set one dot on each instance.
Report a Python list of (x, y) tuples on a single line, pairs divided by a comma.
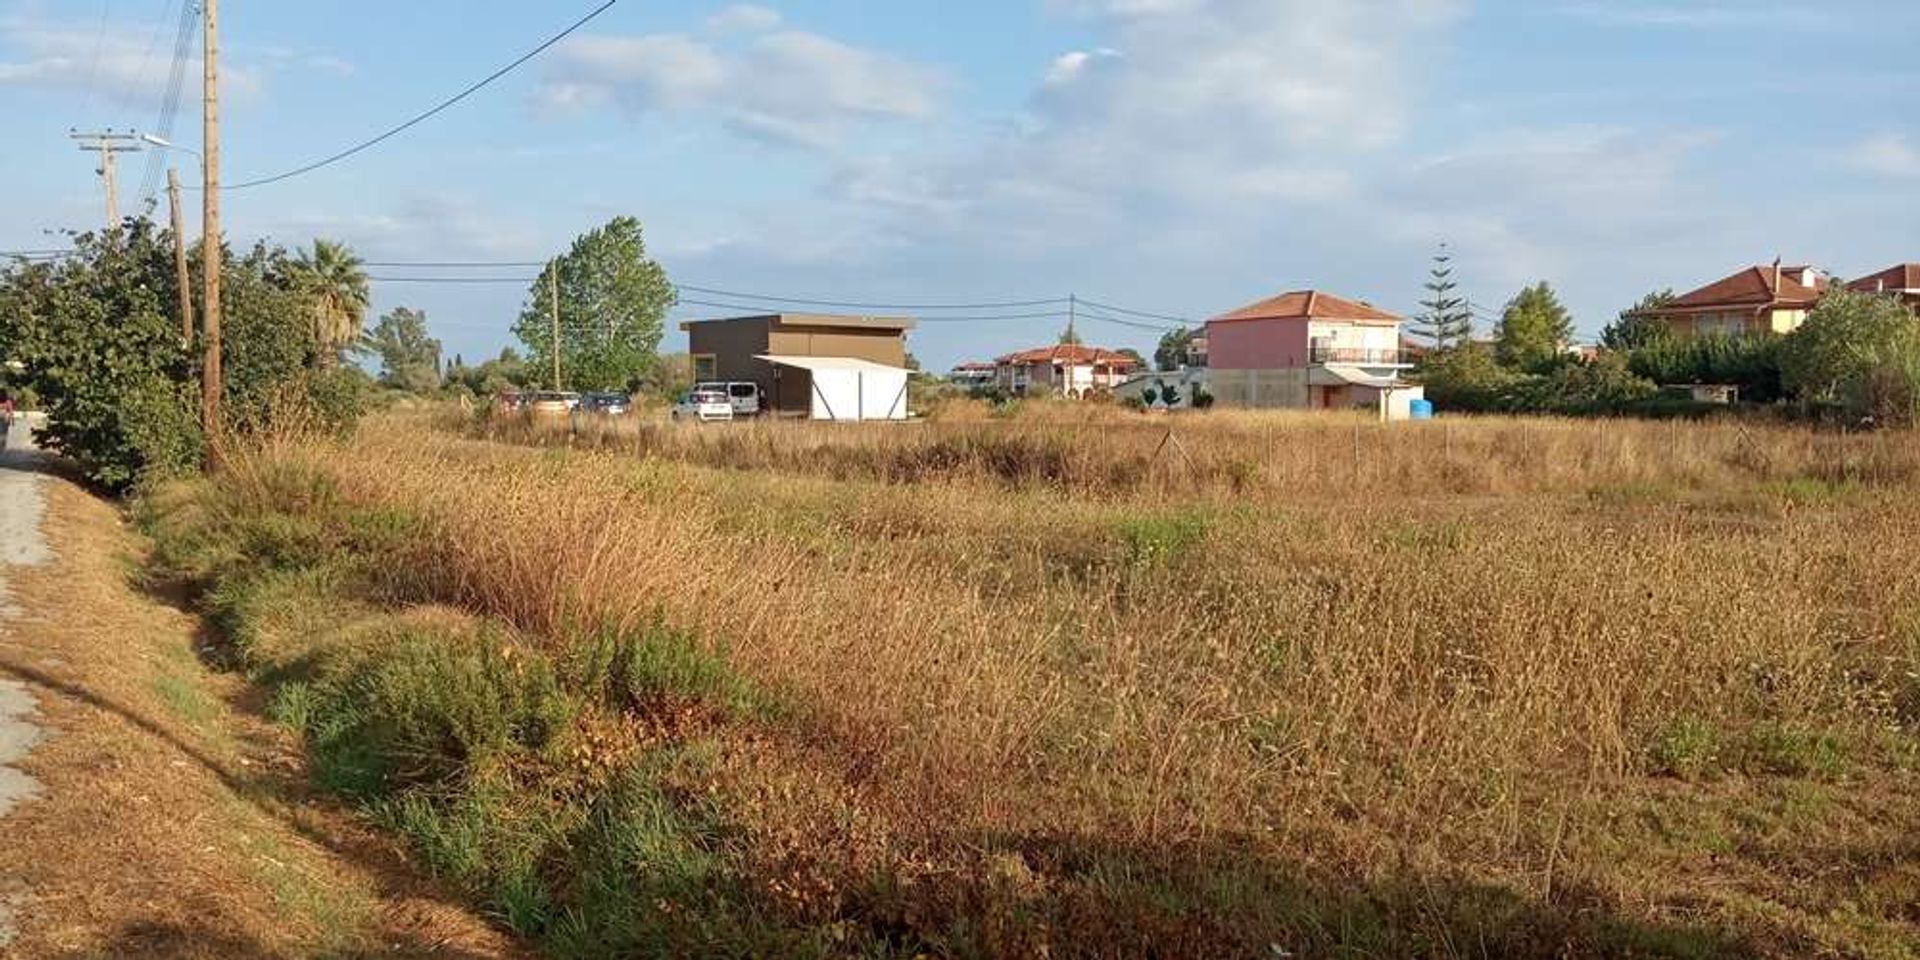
[(1257, 344)]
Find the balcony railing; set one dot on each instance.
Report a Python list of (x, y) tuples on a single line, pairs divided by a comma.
[(1357, 355)]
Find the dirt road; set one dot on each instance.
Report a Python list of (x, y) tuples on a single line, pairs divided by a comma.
[(158, 814), (22, 506)]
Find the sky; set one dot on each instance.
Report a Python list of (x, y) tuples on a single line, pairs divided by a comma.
[(1170, 157)]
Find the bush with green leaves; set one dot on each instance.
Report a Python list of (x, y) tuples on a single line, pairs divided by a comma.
[(98, 339), (1750, 363), (1469, 377), (1856, 353)]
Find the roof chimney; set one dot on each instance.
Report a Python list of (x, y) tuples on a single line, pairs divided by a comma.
[(1776, 274)]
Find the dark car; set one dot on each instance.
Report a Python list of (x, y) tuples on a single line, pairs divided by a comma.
[(605, 405)]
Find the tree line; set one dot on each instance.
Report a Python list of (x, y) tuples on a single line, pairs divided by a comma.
[(95, 337)]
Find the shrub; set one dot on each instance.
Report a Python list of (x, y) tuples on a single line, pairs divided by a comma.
[(1859, 351), (1468, 377), (100, 346), (1750, 363)]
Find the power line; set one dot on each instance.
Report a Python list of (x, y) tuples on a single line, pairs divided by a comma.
[(1135, 324), (99, 43), (996, 305), (455, 264), (1139, 313), (184, 41), (423, 117), (719, 305), (710, 291)]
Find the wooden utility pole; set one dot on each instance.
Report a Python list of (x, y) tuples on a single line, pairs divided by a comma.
[(109, 145), (210, 380), (180, 255), (553, 287)]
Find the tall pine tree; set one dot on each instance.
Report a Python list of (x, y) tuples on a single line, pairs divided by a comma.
[(1446, 320)]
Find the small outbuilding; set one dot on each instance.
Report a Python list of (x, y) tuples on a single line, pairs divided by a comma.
[(819, 366)]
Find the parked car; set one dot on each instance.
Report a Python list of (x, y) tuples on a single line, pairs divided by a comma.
[(553, 403), (604, 405), (703, 404), (743, 395), (510, 401)]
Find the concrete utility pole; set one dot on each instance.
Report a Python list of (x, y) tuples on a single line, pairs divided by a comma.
[(553, 287), (210, 380), (180, 255), (109, 145)]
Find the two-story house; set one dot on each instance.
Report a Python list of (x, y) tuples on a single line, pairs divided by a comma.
[(1308, 349), (1764, 300), (1068, 370)]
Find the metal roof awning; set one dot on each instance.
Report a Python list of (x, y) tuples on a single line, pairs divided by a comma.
[(829, 363), (1340, 375)]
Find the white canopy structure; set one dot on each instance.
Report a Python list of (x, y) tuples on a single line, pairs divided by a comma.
[(850, 389)]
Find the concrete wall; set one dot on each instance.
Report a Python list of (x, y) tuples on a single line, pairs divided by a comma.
[(1259, 389), (1356, 336), (1257, 344)]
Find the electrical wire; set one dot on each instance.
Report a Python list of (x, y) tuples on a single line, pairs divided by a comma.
[(429, 114), (185, 40), (99, 44), (1139, 313), (994, 305)]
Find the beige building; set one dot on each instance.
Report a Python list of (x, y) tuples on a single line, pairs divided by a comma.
[(1767, 301), (775, 350)]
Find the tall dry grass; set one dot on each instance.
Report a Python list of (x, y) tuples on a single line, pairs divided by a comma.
[(1076, 664), (1109, 452)]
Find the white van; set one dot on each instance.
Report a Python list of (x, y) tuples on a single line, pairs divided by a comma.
[(744, 395)]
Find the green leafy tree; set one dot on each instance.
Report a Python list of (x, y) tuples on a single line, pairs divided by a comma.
[(1534, 330), (1468, 377), (1445, 318), (1133, 355), (409, 357), (97, 342), (1071, 337), (613, 302), (1856, 351), (1171, 353), (336, 280), (1635, 329)]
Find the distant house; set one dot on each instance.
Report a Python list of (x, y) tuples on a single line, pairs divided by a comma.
[(973, 376), (1757, 301), (809, 365), (1901, 281), (1309, 349), (1067, 370)]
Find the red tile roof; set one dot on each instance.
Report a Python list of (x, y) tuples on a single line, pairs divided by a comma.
[(1309, 305), (1905, 276), (1752, 287), (1068, 353)]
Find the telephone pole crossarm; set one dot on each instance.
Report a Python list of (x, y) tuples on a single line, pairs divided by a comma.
[(109, 145)]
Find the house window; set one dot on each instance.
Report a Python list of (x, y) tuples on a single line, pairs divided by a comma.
[(705, 367)]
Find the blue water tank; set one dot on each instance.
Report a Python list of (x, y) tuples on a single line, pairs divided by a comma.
[(1421, 409)]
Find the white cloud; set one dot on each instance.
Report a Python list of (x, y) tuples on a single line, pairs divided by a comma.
[(121, 66), (744, 18), (1889, 154), (787, 86), (1194, 109)]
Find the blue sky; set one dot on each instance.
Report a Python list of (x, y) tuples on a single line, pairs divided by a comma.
[(1174, 156)]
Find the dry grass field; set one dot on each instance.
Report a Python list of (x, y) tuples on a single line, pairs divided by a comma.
[(1059, 685)]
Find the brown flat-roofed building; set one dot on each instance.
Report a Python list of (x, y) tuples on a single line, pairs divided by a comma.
[(734, 349)]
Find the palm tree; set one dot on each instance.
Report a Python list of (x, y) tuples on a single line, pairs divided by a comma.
[(337, 279)]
